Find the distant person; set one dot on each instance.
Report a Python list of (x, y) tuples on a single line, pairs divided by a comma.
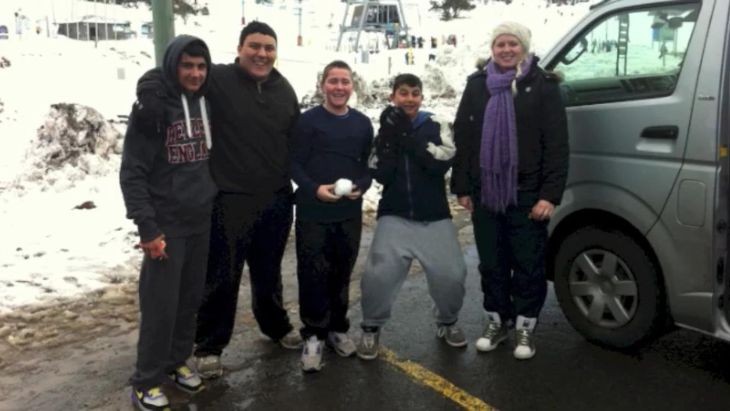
[(510, 171), (663, 50), (254, 112), (412, 155), (168, 192), (409, 57), (329, 165), (18, 24)]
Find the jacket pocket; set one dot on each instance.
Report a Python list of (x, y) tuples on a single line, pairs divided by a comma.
[(192, 192)]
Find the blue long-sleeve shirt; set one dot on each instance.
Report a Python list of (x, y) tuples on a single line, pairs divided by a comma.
[(325, 148)]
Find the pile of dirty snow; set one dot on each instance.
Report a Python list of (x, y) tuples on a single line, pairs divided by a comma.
[(73, 142)]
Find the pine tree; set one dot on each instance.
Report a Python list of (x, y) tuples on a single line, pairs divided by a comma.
[(450, 8)]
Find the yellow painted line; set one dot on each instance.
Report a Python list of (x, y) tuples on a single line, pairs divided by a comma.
[(430, 379)]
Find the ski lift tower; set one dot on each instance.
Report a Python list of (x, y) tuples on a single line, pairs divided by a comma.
[(374, 16)]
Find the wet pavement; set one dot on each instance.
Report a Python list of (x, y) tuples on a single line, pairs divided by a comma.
[(415, 371), (680, 371)]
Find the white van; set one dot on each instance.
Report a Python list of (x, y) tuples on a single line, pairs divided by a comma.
[(640, 240)]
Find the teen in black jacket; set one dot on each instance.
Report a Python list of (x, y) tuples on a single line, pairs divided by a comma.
[(253, 212)]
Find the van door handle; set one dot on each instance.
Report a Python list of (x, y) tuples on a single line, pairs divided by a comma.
[(661, 132)]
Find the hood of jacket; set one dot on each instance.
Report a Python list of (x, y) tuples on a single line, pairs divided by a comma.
[(421, 118), (173, 52)]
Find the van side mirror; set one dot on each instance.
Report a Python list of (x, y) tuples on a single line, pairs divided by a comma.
[(675, 22)]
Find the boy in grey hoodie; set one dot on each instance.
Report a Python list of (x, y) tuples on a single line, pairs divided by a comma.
[(168, 192)]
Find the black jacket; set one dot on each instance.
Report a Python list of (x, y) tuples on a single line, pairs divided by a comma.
[(164, 176), (542, 135), (254, 122), (413, 178)]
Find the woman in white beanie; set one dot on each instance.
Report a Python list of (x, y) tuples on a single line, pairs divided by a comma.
[(510, 170)]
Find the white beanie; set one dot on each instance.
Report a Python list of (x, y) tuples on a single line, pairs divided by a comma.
[(522, 33)]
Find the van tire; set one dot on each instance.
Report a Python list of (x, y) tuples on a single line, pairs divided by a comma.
[(640, 306)]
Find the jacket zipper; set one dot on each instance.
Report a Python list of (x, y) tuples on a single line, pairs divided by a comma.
[(408, 188)]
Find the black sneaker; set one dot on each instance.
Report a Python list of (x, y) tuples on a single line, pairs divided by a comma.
[(494, 333), (525, 347), (152, 399), (452, 334), (187, 379)]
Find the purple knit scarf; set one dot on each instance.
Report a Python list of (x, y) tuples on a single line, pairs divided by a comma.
[(498, 156)]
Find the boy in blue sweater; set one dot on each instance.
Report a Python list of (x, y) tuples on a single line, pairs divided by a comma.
[(412, 155), (331, 142)]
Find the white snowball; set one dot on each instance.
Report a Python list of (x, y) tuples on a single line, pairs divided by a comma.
[(343, 187)]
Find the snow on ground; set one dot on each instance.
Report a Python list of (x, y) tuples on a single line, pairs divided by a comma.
[(53, 247)]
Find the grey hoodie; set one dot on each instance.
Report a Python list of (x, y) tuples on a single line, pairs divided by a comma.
[(165, 178)]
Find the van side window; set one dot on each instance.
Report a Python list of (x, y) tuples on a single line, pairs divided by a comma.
[(629, 55)]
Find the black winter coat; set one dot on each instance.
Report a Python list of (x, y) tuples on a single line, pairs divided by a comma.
[(254, 122), (542, 135), (413, 180)]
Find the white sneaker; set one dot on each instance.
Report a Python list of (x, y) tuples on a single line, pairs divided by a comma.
[(525, 347), (312, 354), (341, 343), (208, 366)]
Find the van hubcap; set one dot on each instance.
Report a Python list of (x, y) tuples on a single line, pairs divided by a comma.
[(603, 288)]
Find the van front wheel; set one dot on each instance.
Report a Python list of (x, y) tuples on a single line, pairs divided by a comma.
[(608, 287)]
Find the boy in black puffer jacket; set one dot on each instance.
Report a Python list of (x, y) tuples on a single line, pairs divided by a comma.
[(412, 155)]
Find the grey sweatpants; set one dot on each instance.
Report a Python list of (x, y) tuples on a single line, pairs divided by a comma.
[(397, 241), (169, 297)]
